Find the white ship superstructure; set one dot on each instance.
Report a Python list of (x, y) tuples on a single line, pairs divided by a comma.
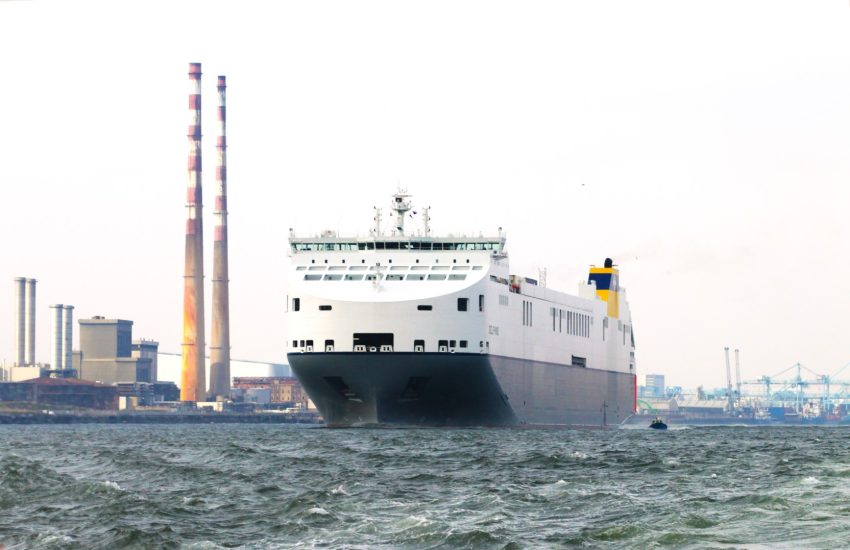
[(400, 328)]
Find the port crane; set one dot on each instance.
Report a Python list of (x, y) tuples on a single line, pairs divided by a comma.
[(779, 390)]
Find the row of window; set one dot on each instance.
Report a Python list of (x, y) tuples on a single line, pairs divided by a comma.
[(418, 345), (462, 305), (570, 322), (391, 245), (390, 277), (444, 346), (391, 268), (389, 261)]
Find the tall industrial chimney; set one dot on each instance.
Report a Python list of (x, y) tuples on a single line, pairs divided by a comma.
[(729, 398), (220, 343), (20, 321), (738, 374), (193, 376), (68, 340), (57, 336), (30, 322)]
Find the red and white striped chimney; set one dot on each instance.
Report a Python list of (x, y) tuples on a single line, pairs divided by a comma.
[(220, 342), (193, 375)]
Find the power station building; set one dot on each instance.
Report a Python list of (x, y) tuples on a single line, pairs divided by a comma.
[(107, 355)]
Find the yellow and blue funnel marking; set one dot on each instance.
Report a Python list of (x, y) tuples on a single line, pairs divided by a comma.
[(607, 281)]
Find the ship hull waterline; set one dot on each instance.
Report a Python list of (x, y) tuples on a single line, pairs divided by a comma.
[(415, 389)]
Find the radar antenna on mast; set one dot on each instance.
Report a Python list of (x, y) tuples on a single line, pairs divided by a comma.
[(426, 220), (377, 219), (401, 207)]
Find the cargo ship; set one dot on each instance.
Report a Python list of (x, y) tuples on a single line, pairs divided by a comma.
[(404, 328)]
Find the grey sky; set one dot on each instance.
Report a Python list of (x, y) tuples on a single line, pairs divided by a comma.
[(703, 145)]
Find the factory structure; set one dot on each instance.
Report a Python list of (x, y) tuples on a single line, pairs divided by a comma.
[(113, 370), (24, 322), (793, 395), (193, 385)]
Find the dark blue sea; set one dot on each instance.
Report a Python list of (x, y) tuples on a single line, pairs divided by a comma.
[(273, 486)]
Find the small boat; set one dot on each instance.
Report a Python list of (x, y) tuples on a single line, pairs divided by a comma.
[(658, 424)]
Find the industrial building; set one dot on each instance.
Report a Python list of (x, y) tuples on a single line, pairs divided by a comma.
[(62, 392), (653, 386), (106, 347), (269, 389), (287, 390), (147, 349)]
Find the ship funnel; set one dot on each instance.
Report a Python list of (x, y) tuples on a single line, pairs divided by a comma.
[(607, 281)]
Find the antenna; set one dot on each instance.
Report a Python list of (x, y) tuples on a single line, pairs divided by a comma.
[(426, 220), (738, 373), (377, 220), (728, 380), (401, 206)]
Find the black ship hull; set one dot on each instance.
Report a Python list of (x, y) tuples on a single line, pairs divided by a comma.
[(459, 389)]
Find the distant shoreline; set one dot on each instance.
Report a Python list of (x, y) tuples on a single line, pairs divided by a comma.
[(155, 418)]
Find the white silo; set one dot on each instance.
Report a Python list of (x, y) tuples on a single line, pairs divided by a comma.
[(20, 321), (57, 331), (30, 323), (68, 342)]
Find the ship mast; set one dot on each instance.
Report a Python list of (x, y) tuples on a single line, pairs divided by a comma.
[(401, 207)]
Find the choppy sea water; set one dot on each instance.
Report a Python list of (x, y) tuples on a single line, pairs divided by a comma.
[(274, 486)]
